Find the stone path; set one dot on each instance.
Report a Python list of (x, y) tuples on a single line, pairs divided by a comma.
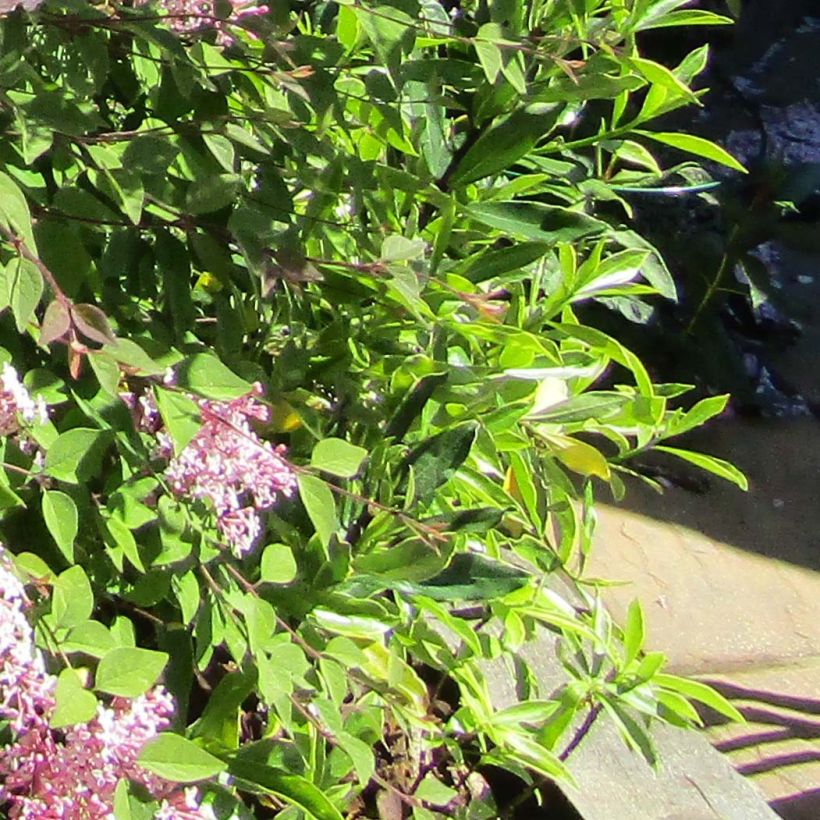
[(730, 584)]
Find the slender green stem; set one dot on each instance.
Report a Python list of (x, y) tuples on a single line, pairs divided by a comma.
[(725, 263)]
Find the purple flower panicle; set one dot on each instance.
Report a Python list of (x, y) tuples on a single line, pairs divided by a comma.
[(16, 403), (226, 463), (191, 16), (71, 774)]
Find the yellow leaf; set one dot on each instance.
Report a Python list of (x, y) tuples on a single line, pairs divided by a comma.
[(283, 418), (580, 457), (511, 485)]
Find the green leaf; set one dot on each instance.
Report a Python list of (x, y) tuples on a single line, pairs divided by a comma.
[(489, 54), (75, 455), (695, 145), (224, 703), (181, 416), (278, 566), (25, 288), (432, 790), (504, 144), (72, 600), (56, 322), (33, 567), (124, 539), (294, 789), (635, 735), (390, 30), (704, 410), (360, 754), (470, 577), (532, 220), (128, 807), (435, 461), (478, 520), (221, 148), (319, 505), (14, 212), (396, 248), (129, 353), (206, 376), (711, 464), (412, 559), (337, 457), (60, 515), (212, 193), (618, 269), (533, 754), (9, 499), (531, 712), (684, 17), (125, 188), (490, 265), (596, 404), (660, 75), (634, 632), (174, 758), (73, 703), (90, 638), (93, 324), (106, 370), (695, 690), (129, 672)]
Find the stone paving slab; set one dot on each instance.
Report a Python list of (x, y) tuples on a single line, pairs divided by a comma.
[(694, 781), (709, 606), (779, 746)]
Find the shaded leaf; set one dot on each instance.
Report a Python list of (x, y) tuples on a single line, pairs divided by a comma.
[(294, 789), (435, 461), (56, 322), (93, 324), (544, 223)]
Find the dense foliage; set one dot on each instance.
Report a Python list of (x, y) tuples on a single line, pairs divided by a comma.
[(308, 429)]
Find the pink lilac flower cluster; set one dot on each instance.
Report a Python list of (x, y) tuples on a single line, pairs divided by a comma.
[(71, 774), (225, 464), (16, 403), (189, 16)]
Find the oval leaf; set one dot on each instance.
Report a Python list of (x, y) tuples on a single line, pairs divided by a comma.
[(129, 672), (206, 376), (75, 454), (319, 505), (338, 457), (60, 515), (174, 758)]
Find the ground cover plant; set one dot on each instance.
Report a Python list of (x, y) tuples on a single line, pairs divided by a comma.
[(300, 428)]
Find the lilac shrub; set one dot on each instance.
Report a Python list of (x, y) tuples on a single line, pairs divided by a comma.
[(226, 464), (192, 16), (71, 774)]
